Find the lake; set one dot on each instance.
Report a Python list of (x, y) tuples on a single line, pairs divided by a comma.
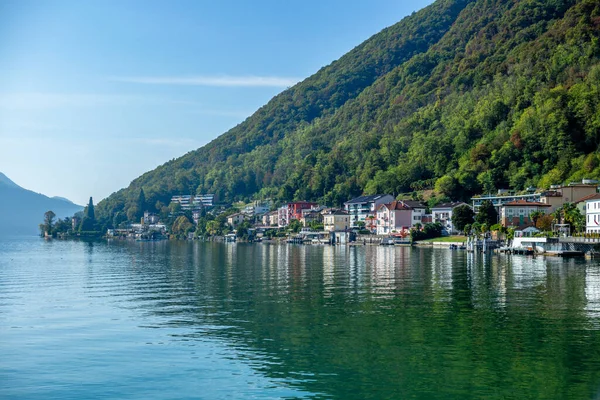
[(177, 320)]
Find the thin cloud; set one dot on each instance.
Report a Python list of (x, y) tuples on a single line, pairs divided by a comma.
[(219, 81), (37, 100)]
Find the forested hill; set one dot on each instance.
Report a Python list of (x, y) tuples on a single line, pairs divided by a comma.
[(469, 95)]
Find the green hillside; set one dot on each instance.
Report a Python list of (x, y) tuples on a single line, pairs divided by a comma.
[(467, 95)]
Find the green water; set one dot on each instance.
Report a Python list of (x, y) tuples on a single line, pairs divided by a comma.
[(214, 320)]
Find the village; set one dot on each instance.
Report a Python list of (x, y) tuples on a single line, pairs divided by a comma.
[(563, 211)]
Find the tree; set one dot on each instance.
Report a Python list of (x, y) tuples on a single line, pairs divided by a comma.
[(46, 227), (242, 230), (141, 204), (445, 186), (213, 228), (487, 213), (534, 216), (295, 226), (89, 211), (181, 226), (118, 219), (570, 214), (544, 222), (462, 216), (88, 222)]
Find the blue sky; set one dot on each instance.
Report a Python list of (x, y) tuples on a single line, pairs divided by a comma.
[(95, 93)]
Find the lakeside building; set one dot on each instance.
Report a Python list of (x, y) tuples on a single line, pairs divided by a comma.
[(581, 204), (234, 220), (592, 216), (442, 213), (518, 213), (500, 200), (150, 218), (394, 217), (270, 219), (363, 207), (310, 217), (191, 202), (293, 210), (418, 211), (336, 221), (257, 207), (556, 197)]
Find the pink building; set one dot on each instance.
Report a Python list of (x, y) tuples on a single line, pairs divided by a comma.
[(393, 217), (293, 210)]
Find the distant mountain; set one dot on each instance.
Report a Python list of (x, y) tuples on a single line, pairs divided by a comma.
[(464, 97), (62, 198), (21, 210)]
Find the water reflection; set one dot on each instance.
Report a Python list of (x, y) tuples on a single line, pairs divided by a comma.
[(366, 321), (375, 320)]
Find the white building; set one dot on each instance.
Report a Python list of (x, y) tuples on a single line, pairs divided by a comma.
[(190, 202), (150, 218), (365, 206), (418, 211), (283, 217), (592, 216)]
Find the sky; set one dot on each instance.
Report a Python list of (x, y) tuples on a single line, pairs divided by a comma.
[(95, 93)]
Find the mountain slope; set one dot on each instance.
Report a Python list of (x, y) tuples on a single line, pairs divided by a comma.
[(21, 210), (469, 95)]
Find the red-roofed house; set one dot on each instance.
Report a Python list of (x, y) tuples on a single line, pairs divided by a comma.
[(518, 213), (393, 217)]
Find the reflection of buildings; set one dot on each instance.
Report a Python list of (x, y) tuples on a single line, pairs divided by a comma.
[(441, 274), (592, 292)]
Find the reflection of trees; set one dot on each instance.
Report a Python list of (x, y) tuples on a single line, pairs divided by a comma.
[(389, 322)]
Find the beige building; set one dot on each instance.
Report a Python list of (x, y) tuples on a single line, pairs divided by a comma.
[(235, 219), (336, 221), (572, 193), (270, 218)]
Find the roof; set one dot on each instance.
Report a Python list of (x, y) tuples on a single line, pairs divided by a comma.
[(337, 212), (521, 203), (311, 213), (414, 204), (589, 197), (449, 205), (552, 193), (366, 199), (395, 205)]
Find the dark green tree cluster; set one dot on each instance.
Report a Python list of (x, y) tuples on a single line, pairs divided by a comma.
[(54, 227), (464, 97), (47, 227), (429, 231), (487, 214), (462, 216), (89, 224)]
